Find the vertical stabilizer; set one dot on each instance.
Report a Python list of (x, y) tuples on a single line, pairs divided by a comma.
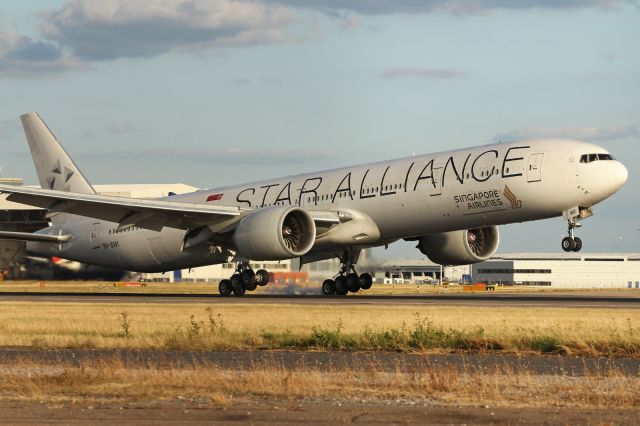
[(56, 170)]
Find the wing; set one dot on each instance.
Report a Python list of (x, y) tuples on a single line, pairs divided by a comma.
[(150, 214)]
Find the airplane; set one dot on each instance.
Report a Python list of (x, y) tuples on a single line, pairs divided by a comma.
[(451, 203)]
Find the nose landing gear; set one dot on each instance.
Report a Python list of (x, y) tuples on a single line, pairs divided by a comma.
[(243, 280), (572, 243)]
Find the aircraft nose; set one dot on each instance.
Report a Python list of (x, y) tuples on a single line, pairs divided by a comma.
[(618, 175)]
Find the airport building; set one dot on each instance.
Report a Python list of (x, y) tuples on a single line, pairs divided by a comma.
[(419, 271), (16, 218), (561, 270)]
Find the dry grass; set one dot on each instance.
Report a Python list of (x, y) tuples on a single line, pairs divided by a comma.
[(112, 381), (591, 332)]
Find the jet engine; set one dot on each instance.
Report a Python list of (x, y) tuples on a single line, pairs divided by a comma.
[(460, 247), (275, 233)]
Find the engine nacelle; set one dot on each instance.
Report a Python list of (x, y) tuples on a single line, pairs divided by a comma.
[(460, 247), (275, 233)]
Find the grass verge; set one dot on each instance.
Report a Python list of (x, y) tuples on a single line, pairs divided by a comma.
[(585, 332), (110, 381)]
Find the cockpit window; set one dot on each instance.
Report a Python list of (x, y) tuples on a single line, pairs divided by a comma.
[(588, 158)]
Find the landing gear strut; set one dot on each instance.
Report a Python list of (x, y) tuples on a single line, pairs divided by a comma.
[(572, 243), (347, 280), (243, 280)]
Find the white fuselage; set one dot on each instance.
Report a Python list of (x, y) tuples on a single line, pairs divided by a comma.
[(409, 197)]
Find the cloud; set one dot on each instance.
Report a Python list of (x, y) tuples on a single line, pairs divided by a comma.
[(350, 22), (111, 29), (434, 73), (347, 21), (585, 133), (380, 7), (22, 56), (223, 156), (82, 31)]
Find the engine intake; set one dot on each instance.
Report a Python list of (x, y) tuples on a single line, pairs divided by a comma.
[(460, 247), (275, 233)]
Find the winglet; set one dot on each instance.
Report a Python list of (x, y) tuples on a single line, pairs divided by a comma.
[(56, 170)]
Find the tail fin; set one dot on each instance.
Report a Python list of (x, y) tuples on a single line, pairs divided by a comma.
[(56, 170)]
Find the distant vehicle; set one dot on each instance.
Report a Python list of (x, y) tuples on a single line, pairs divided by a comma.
[(449, 202)]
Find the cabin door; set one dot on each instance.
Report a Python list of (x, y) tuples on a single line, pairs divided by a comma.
[(534, 168)]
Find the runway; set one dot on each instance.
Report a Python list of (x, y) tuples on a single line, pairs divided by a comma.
[(566, 300)]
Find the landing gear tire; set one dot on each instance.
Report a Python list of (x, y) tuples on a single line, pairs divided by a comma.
[(341, 286), (237, 285), (248, 277), (328, 287), (262, 277), (353, 282), (366, 281), (225, 288), (578, 244), (568, 244)]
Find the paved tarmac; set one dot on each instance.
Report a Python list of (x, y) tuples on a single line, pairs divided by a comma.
[(596, 299)]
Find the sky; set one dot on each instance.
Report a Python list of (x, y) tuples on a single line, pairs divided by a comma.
[(218, 92)]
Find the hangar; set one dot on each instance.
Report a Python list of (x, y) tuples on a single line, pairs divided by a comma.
[(561, 270)]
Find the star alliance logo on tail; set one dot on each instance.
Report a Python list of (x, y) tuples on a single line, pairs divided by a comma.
[(58, 170), (515, 203)]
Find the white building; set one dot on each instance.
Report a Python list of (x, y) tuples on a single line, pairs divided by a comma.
[(419, 271), (561, 270)]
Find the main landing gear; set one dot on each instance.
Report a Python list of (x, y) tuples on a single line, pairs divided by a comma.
[(243, 280), (347, 280), (572, 243)]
